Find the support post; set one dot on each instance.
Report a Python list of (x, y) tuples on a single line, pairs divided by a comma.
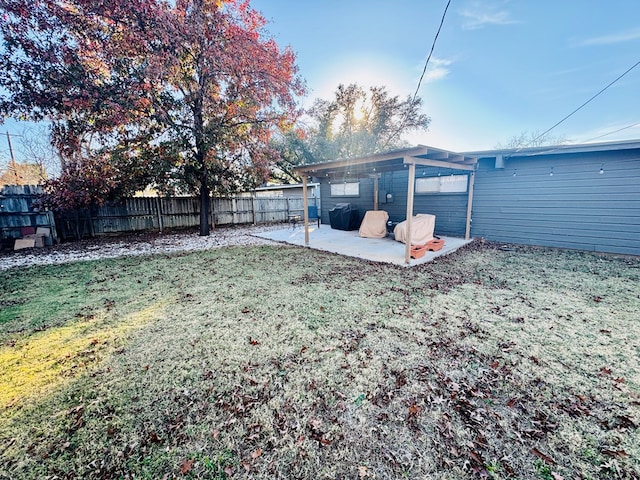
[(375, 192), (305, 203), (410, 192), (467, 231)]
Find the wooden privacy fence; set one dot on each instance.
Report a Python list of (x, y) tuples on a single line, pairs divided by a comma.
[(158, 213)]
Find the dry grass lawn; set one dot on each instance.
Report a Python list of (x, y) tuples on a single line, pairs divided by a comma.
[(274, 362)]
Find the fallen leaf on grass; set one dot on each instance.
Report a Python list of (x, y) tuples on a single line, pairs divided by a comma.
[(414, 410), (363, 472), (253, 341), (604, 330), (154, 437), (315, 424), (542, 456), (186, 466), (256, 453), (604, 371), (476, 457), (615, 453)]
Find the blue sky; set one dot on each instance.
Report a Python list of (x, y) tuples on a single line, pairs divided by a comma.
[(499, 67)]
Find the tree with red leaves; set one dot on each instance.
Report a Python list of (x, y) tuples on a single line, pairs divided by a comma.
[(188, 92)]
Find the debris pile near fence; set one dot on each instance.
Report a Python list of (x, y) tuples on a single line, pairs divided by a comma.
[(20, 215)]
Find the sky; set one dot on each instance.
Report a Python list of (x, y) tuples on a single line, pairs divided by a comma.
[(499, 68)]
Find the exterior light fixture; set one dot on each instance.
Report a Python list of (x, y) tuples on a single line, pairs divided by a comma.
[(601, 169), (551, 172), (514, 172)]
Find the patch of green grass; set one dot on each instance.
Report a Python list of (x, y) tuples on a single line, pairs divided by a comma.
[(543, 470), (270, 362)]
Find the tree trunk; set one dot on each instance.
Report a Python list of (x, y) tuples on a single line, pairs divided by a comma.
[(204, 205)]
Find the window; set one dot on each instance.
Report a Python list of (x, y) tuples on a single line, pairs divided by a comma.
[(345, 189), (442, 184)]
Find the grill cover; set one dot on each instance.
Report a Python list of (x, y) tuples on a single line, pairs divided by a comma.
[(344, 217)]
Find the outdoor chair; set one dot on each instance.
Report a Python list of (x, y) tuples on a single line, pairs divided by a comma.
[(313, 214)]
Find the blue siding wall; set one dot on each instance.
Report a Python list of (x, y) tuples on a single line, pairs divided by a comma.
[(450, 209), (577, 207)]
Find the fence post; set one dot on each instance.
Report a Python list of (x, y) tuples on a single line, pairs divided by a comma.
[(234, 210), (52, 226), (211, 214), (253, 210), (159, 212)]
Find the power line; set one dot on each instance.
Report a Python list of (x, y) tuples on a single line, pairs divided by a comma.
[(433, 46), (424, 70), (579, 108), (611, 133)]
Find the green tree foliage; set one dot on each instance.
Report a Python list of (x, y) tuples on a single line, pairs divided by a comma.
[(185, 93), (356, 122)]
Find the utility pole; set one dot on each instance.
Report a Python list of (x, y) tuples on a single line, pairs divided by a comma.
[(12, 162)]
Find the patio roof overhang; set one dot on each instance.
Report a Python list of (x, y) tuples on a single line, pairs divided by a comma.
[(374, 165), (389, 162)]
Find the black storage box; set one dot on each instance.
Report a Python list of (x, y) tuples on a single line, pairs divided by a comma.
[(343, 217)]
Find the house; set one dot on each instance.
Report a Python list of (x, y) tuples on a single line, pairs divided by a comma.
[(23, 174), (584, 197)]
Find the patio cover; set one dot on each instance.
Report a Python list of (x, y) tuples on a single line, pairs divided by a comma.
[(374, 165)]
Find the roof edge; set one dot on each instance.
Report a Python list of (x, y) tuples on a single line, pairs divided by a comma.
[(558, 149)]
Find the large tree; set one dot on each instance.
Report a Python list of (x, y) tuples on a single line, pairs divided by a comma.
[(188, 90), (356, 122)]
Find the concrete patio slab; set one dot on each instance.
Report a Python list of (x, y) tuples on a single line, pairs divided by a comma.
[(349, 243)]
